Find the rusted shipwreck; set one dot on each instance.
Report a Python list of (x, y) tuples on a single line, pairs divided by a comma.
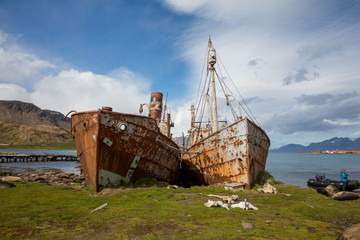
[(221, 151), (117, 148)]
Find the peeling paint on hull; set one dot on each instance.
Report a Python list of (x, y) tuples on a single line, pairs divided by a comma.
[(236, 153), (120, 148)]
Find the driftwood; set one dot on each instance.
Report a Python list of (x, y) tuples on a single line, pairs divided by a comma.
[(101, 207)]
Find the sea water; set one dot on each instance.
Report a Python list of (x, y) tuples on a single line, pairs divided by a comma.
[(290, 168), (296, 169), (18, 167)]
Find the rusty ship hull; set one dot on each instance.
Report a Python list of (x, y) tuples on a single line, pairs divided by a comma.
[(116, 148), (234, 154)]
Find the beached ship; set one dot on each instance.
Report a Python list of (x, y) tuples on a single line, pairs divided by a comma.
[(118, 148), (221, 151)]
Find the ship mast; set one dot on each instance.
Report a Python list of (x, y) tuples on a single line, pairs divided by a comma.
[(212, 61)]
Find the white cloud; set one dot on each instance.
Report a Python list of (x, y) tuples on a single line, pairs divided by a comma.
[(25, 77), (13, 92), (84, 91), (17, 64), (313, 47)]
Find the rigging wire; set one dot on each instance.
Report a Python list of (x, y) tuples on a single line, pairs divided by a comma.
[(202, 73), (252, 117)]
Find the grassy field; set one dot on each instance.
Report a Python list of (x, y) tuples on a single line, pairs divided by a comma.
[(40, 211)]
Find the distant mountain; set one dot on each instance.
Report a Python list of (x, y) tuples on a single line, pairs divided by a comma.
[(26, 124), (331, 144), (28, 113)]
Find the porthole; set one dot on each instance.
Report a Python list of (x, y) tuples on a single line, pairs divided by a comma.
[(123, 127)]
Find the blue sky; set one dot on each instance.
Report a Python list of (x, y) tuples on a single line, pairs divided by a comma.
[(297, 62)]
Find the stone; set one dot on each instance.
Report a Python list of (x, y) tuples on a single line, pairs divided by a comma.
[(350, 233), (341, 196), (247, 225), (11, 179)]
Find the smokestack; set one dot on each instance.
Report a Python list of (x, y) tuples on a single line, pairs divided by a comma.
[(155, 105)]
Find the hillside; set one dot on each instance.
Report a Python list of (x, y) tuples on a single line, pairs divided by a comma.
[(23, 124), (331, 144), (28, 113)]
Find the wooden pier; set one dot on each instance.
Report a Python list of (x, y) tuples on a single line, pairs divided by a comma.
[(8, 158)]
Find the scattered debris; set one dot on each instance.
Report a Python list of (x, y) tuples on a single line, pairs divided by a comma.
[(235, 187), (101, 207), (172, 186), (244, 205), (287, 194), (341, 196), (211, 203), (229, 199), (267, 188), (352, 232), (268, 221)]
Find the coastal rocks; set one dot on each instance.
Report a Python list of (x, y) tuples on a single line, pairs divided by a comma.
[(6, 185), (53, 178), (352, 232), (267, 188), (341, 196)]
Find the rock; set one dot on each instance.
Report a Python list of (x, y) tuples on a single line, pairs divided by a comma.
[(247, 225), (6, 185), (267, 188), (323, 191), (11, 179), (350, 233), (341, 196), (332, 190), (172, 186)]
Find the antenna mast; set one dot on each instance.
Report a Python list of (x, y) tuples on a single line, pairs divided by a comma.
[(212, 61)]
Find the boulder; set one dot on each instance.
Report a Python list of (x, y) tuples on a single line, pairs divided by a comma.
[(341, 196), (11, 179), (332, 190), (350, 233)]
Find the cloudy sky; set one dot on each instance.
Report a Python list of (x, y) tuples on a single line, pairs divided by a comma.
[(295, 62)]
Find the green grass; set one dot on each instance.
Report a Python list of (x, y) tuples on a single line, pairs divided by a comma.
[(40, 211)]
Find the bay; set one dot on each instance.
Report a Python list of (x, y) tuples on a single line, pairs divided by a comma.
[(64, 166), (296, 169)]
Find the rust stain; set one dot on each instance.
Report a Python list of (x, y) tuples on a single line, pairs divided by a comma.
[(126, 146)]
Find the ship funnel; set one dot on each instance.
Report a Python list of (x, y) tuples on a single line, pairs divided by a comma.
[(155, 108)]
